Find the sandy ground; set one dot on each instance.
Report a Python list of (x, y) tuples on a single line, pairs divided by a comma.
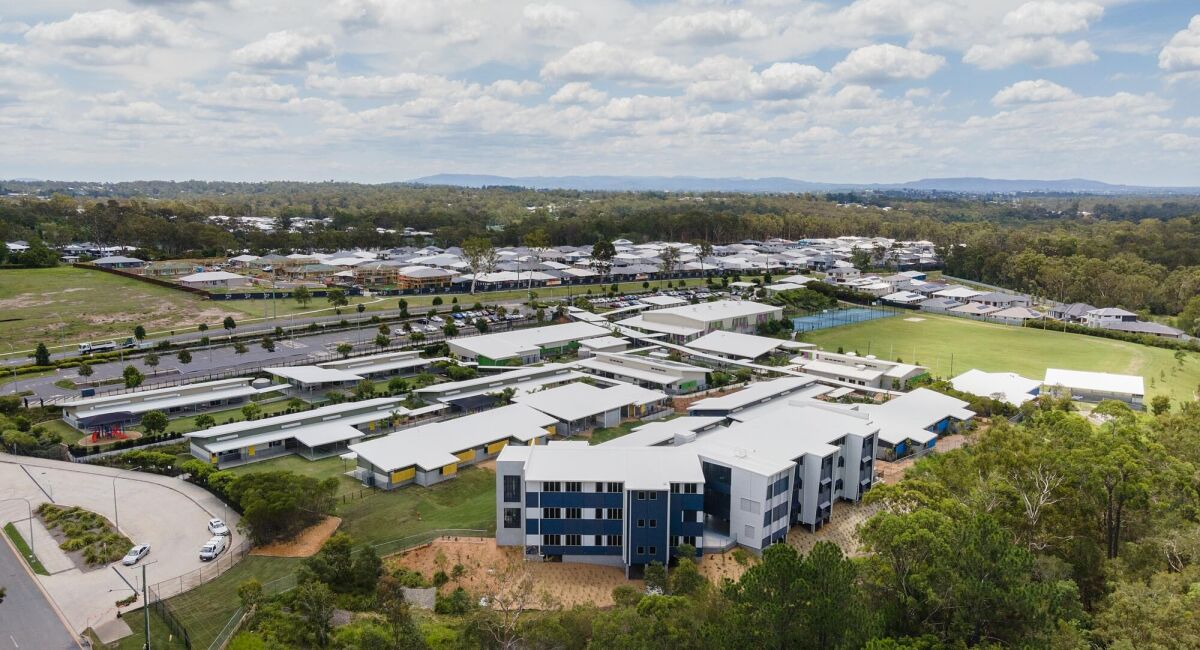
[(489, 567), (167, 513), (306, 544)]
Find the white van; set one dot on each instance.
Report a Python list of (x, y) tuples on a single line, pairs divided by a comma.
[(212, 548)]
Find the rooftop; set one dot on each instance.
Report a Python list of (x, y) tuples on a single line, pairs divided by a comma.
[(1005, 386), (714, 311), (647, 468), (756, 392), (735, 344), (505, 345), (1095, 381), (579, 400), (659, 432)]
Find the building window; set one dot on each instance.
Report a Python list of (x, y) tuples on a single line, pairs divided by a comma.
[(599, 513), (674, 488), (654, 523), (615, 513), (551, 486), (574, 540), (551, 513), (616, 487), (512, 489), (838, 485), (841, 461), (691, 488), (641, 550), (653, 550), (654, 496), (574, 486), (574, 513), (512, 517), (641, 523), (641, 496), (749, 505), (599, 540), (551, 540), (615, 540)]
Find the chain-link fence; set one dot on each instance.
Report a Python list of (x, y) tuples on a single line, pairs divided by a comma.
[(193, 579)]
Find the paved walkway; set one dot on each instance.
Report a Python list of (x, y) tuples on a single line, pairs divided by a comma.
[(169, 514)]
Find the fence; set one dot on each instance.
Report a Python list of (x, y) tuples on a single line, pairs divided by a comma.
[(836, 317), (168, 617), (193, 579)]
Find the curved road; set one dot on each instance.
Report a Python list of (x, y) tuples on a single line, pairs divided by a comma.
[(27, 620)]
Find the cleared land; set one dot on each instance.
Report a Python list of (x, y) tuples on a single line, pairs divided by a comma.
[(66, 305), (1001, 348)]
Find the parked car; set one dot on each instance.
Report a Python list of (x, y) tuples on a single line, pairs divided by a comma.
[(217, 527), (212, 548), (135, 554)]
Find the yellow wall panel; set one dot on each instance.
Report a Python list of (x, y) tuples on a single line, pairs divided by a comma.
[(450, 470), (466, 456), (401, 475), (495, 447)]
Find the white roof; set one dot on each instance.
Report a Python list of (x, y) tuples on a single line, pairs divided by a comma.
[(1095, 381), (579, 400), (1006, 386), (505, 345), (904, 296), (212, 276), (957, 292), (908, 416), (639, 322), (243, 258), (708, 312), (380, 362), (641, 374), (431, 446), (662, 301), (345, 413), (656, 433), (604, 343), (770, 443), (647, 468), (167, 401), (845, 370), (313, 374), (747, 346), (497, 381), (1023, 313), (202, 388), (756, 392)]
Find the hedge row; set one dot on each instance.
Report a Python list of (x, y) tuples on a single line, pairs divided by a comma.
[(1144, 339)]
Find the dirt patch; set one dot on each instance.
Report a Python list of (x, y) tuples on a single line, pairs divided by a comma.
[(487, 568), (914, 320), (719, 566), (489, 465), (24, 301), (305, 544)]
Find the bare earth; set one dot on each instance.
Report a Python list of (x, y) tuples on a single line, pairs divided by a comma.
[(306, 544)]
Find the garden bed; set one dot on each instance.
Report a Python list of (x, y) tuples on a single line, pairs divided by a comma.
[(88, 539)]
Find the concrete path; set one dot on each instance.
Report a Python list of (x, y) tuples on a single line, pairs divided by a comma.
[(169, 514)]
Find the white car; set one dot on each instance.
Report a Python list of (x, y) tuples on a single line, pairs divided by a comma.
[(217, 527), (135, 554), (212, 548)]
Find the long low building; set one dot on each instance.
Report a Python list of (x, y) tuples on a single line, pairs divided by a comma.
[(1094, 386), (682, 324), (434, 452), (524, 346), (387, 364), (1004, 386), (913, 421), (481, 392), (316, 433), (127, 408), (866, 371), (579, 406), (735, 345), (672, 377)]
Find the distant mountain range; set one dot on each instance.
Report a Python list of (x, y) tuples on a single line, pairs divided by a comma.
[(965, 185)]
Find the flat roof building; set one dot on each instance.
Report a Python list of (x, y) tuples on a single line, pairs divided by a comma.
[(524, 346), (672, 377), (736, 345), (755, 395), (1094, 386), (316, 433), (464, 395), (1004, 386), (684, 323), (127, 408), (579, 406), (866, 371)]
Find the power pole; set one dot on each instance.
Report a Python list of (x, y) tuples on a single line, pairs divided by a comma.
[(146, 606)]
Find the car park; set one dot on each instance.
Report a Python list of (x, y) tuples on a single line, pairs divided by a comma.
[(136, 554)]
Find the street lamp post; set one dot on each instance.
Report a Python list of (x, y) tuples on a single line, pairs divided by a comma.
[(116, 513), (13, 351)]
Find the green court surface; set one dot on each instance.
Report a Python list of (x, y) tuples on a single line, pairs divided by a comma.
[(949, 346)]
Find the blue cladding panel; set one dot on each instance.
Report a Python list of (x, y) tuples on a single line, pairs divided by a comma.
[(531, 526), (582, 526), (531, 499), (646, 537), (582, 499), (581, 550)]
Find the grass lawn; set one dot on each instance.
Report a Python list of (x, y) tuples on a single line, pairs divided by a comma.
[(993, 347), (23, 549), (188, 423), (65, 305), (70, 434), (204, 611), (319, 469), (160, 635), (604, 435)]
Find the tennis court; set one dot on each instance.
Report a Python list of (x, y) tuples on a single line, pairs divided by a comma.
[(835, 317)]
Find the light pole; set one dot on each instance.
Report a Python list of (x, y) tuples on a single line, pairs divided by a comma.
[(116, 513), (29, 508)]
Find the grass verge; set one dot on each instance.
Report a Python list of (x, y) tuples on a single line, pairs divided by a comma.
[(23, 549)]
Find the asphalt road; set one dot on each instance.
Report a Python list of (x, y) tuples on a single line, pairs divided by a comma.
[(217, 359), (26, 618)]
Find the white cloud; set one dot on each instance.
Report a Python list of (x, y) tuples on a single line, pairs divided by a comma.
[(509, 88), (107, 27), (1038, 52), (1182, 52), (241, 92), (284, 49), (711, 27), (887, 62), (359, 14), (599, 60), (578, 92), (1179, 142), (547, 18), (1027, 92), (1049, 17), (139, 112)]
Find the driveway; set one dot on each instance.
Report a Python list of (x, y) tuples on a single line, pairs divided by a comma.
[(169, 514)]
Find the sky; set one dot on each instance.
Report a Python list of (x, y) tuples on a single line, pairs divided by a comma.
[(389, 90)]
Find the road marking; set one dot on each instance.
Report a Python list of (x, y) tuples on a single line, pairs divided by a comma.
[(15, 644)]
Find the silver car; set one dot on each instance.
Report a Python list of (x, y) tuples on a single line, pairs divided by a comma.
[(135, 554)]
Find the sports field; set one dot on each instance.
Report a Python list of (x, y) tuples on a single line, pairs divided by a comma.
[(939, 341), (65, 305)]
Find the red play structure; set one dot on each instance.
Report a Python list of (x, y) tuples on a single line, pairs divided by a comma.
[(106, 434)]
